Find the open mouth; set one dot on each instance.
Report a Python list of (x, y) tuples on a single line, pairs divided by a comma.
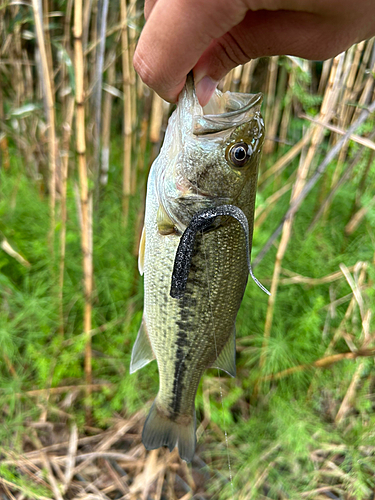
[(225, 111), (229, 104)]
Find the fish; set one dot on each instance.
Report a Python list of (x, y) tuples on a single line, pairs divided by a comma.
[(195, 254)]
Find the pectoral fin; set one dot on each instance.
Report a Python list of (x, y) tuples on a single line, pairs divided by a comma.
[(164, 222), (142, 352), (226, 360), (141, 252)]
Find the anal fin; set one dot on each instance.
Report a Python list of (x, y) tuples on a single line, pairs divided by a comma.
[(226, 360), (142, 352)]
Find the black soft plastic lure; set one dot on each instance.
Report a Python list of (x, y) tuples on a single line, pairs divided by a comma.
[(201, 222)]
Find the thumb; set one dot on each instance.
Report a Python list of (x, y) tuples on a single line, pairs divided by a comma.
[(175, 36)]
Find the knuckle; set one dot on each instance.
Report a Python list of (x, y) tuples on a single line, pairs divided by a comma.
[(147, 75), (232, 52)]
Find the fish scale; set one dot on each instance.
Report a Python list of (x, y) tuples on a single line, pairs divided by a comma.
[(193, 172)]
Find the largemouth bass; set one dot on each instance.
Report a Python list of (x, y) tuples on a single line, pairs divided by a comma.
[(209, 160)]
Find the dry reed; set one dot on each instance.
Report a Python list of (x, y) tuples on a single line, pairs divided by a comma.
[(50, 110), (86, 214)]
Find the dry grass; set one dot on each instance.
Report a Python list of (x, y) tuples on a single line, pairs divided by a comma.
[(101, 464)]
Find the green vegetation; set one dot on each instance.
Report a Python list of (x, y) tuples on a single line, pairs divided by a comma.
[(289, 423)]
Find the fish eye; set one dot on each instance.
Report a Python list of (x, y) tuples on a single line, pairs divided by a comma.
[(238, 154)]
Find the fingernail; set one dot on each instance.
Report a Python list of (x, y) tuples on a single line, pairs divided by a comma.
[(205, 89)]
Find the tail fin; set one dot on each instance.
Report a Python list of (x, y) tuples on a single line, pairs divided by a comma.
[(159, 431)]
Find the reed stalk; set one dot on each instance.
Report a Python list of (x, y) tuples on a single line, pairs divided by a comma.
[(47, 40), (227, 81), (247, 75), (276, 112), (366, 93), (326, 109), (86, 13), (127, 114), (132, 37), (106, 130), (286, 159), (343, 87), (358, 84), (4, 151), (157, 113), (16, 53), (358, 217), (270, 92), (328, 200), (27, 72), (50, 110), (102, 27), (285, 119), (65, 90), (83, 181), (236, 78), (67, 21), (143, 131), (347, 97), (67, 132), (348, 65), (326, 70), (286, 233), (365, 97), (262, 212)]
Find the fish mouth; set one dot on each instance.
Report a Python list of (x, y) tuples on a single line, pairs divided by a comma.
[(240, 109), (224, 111)]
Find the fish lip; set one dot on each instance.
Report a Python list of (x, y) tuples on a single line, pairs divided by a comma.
[(254, 101), (206, 124), (224, 111)]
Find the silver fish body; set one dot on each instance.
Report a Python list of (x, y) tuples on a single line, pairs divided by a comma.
[(207, 160)]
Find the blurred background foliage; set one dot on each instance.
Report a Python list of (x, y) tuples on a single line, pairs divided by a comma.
[(78, 133)]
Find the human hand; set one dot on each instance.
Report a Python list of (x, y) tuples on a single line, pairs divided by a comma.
[(213, 36)]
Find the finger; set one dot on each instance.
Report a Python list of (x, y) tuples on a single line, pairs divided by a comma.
[(149, 5), (176, 33), (265, 33)]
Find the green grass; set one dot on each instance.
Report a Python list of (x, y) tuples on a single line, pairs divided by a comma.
[(280, 427)]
